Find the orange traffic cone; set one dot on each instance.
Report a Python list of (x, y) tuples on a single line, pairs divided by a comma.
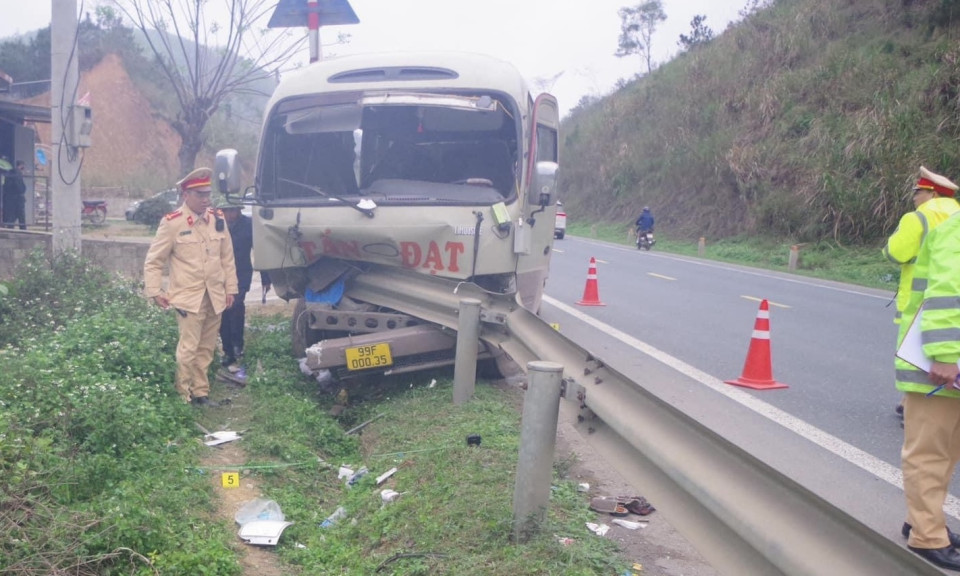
[(757, 372), (591, 292)]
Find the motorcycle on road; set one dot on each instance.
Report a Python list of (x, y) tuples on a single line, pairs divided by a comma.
[(645, 240)]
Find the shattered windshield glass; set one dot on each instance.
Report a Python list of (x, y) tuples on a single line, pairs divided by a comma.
[(391, 147)]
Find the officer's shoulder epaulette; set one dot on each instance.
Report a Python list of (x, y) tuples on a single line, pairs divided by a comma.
[(175, 214)]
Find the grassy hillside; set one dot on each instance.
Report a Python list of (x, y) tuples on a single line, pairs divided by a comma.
[(807, 120)]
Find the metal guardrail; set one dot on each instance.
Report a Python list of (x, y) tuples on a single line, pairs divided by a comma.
[(741, 514)]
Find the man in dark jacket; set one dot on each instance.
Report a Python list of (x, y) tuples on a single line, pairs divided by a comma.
[(14, 197), (645, 221), (231, 328)]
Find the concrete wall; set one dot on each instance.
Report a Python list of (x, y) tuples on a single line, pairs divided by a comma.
[(124, 256)]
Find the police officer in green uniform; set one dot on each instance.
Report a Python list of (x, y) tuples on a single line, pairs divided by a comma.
[(933, 200), (931, 415), (195, 242)]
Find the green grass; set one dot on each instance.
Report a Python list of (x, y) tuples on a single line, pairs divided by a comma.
[(101, 471), (828, 260), (455, 515)]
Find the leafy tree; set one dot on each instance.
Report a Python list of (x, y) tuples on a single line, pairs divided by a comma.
[(700, 33), (638, 23), (181, 36), (753, 6), (28, 60)]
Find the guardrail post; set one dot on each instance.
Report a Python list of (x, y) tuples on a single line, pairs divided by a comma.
[(538, 434), (468, 340), (701, 246), (794, 258)]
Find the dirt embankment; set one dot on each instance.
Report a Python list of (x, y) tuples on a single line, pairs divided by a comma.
[(133, 149)]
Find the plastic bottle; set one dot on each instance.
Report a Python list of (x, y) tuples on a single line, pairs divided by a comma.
[(333, 518)]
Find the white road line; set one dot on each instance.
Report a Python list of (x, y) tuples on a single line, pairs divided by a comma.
[(851, 454), (737, 268), (661, 276)]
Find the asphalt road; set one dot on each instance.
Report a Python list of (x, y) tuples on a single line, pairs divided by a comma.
[(833, 429)]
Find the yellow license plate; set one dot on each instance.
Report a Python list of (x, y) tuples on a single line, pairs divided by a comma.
[(366, 357)]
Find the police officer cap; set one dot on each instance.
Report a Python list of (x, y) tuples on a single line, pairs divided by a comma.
[(935, 183), (199, 180)]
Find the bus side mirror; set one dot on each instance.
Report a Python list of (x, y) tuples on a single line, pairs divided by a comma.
[(227, 170), (544, 187)]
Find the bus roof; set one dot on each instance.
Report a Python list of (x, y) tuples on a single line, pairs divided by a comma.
[(413, 70)]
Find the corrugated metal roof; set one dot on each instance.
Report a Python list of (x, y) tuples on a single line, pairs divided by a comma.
[(20, 113)]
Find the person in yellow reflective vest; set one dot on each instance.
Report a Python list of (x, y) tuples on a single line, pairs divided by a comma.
[(933, 200), (931, 401)]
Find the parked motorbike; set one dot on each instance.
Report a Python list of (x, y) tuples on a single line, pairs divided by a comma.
[(645, 240), (94, 211)]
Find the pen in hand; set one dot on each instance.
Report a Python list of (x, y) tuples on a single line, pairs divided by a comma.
[(956, 384)]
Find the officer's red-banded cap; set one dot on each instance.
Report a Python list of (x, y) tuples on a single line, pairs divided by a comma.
[(934, 182), (199, 179)]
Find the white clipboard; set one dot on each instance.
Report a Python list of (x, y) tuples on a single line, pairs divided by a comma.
[(911, 349)]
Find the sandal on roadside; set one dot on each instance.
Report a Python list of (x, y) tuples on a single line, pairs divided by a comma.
[(608, 506)]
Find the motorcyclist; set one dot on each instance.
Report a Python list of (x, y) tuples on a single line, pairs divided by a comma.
[(645, 221)]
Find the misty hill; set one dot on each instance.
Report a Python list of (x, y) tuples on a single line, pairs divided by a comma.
[(807, 120)]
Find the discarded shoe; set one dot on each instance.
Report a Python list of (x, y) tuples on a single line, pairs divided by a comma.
[(637, 505), (954, 538), (204, 401)]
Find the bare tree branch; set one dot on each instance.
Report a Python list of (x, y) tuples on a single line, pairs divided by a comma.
[(204, 66)]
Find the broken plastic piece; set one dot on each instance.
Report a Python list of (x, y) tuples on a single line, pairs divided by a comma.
[(628, 524), (221, 437), (332, 519), (259, 509), (598, 529), (357, 476), (263, 532), (383, 477), (388, 495)]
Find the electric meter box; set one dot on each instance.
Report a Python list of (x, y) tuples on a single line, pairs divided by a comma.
[(79, 126)]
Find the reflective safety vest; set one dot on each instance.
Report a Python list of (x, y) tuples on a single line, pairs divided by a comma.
[(904, 244), (936, 287)]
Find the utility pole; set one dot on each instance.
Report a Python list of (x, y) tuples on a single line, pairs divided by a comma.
[(65, 161)]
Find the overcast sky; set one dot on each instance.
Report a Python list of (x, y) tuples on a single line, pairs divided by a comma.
[(542, 38)]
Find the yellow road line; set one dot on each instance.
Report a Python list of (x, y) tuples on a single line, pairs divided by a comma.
[(770, 302)]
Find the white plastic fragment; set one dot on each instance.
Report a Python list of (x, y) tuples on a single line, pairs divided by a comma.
[(383, 477), (583, 487), (345, 472), (629, 524), (433, 382), (388, 495), (263, 532), (258, 509), (222, 437), (598, 529)]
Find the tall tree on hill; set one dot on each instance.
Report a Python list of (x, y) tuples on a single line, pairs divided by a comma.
[(637, 25), (700, 33), (205, 61)]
